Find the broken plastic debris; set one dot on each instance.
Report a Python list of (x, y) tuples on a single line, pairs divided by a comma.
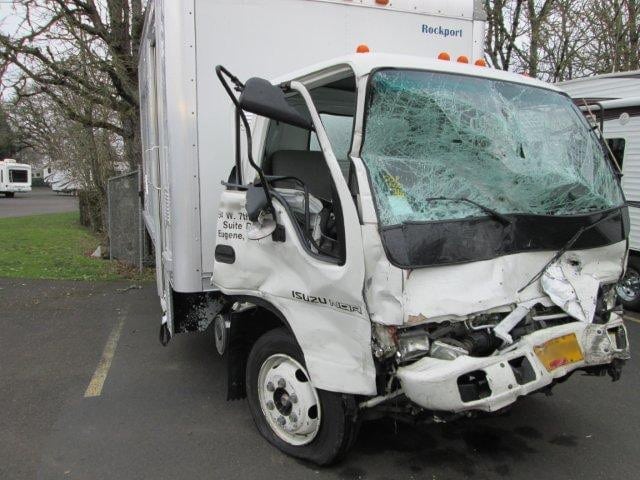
[(573, 291), (513, 148)]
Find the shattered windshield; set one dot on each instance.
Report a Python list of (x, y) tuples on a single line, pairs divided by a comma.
[(443, 147)]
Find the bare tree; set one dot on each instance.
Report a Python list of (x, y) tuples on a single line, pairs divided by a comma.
[(562, 39), (87, 47), (504, 27), (70, 70)]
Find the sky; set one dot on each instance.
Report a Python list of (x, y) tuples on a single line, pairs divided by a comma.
[(8, 17)]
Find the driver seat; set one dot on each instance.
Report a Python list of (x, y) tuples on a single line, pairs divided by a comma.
[(308, 166)]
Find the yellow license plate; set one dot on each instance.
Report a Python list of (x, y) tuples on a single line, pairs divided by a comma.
[(559, 351)]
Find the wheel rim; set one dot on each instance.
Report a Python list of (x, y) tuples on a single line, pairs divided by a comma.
[(288, 400), (629, 287)]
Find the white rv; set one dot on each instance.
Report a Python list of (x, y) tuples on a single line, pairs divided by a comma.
[(405, 233), (14, 177), (613, 102), (61, 181)]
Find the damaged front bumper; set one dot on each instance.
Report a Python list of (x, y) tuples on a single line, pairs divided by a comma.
[(491, 383)]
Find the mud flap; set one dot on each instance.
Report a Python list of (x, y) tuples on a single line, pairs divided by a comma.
[(165, 334)]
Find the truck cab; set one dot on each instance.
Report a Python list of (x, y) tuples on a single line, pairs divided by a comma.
[(411, 237)]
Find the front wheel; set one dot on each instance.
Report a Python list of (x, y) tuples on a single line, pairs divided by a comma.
[(629, 287), (289, 411), (10, 194)]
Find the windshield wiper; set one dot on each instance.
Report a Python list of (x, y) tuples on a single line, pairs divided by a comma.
[(489, 211), (569, 244)]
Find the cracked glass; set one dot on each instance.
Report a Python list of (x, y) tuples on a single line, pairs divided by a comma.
[(445, 147)]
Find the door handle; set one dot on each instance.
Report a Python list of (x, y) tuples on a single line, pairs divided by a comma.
[(225, 254)]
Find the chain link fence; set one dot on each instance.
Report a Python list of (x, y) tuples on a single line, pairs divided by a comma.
[(127, 239)]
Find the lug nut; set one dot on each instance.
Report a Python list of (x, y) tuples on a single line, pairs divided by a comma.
[(270, 387), (281, 420), (270, 405), (293, 398), (282, 383)]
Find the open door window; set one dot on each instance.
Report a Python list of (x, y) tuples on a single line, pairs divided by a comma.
[(295, 155)]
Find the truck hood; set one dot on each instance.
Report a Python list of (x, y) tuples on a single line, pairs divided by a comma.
[(449, 292)]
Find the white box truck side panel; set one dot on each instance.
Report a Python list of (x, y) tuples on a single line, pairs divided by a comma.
[(268, 38), (178, 140)]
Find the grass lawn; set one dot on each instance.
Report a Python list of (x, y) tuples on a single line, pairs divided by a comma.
[(54, 246)]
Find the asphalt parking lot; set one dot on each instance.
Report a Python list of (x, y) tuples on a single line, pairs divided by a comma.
[(161, 413), (38, 200)]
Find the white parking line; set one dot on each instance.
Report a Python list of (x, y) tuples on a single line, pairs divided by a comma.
[(100, 375)]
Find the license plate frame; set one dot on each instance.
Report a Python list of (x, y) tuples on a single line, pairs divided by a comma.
[(559, 351)]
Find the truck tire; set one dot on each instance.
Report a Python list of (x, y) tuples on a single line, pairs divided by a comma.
[(10, 194), (629, 287), (300, 420)]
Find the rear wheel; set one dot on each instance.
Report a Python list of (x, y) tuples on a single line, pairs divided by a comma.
[(10, 194), (629, 287), (289, 411)]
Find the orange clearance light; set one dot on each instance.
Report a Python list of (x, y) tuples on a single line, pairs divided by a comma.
[(463, 59), (480, 62), (444, 56), (382, 2), (362, 48)]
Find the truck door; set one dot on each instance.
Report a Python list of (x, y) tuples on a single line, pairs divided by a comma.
[(313, 272)]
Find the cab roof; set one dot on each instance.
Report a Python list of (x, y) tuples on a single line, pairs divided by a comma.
[(363, 63)]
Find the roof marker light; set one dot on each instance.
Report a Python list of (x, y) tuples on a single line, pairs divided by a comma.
[(444, 56), (480, 62), (382, 2), (463, 59), (362, 48)]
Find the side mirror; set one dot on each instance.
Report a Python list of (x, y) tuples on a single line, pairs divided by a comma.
[(260, 97)]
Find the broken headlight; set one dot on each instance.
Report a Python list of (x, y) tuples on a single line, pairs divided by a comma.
[(412, 344)]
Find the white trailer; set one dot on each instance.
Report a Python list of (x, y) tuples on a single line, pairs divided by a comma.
[(14, 177), (61, 181), (613, 101), (390, 234)]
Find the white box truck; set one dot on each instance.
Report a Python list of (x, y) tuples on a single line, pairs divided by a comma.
[(612, 102), (406, 233), (14, 177)]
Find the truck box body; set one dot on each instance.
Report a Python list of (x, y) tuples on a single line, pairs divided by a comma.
[(187, 121)]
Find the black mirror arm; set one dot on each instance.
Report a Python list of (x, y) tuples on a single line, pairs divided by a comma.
[(222, 72), (307, 215)]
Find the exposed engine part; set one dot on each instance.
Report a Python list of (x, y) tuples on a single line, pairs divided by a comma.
[(509, 322), (552, 316), (372, 402), (384, 341), (446, 351), (412, 343)]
